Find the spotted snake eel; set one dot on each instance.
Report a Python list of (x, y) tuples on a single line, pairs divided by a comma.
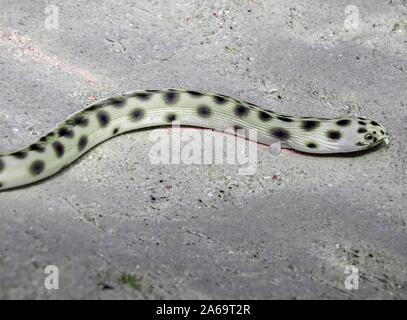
[(151, 108)]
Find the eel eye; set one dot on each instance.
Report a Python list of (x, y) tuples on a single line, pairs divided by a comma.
[(368, 136)]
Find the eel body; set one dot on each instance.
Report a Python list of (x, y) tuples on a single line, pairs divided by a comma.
[(151, 108)]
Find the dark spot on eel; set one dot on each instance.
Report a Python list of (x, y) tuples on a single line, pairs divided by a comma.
[(220, 99), (37, 147), (171, 117), (103, 118), (195, 93), (171, 97), (137, 114), (82, 143), (241, 110), (343, 122), (280, 133), (66, 132), (37, 167), (333, 134), (285, 119), (19, 154), (309, 125), (204, 111), (264, 116), (58, 148), (142, 95)]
